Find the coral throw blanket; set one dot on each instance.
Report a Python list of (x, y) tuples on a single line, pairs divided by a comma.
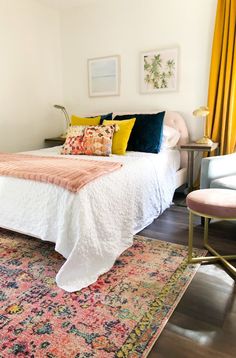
[(71, 174)]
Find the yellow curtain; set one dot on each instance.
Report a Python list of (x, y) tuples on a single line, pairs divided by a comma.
[(222, 82)]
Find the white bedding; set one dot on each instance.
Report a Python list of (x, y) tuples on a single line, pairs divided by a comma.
[(94, 226)]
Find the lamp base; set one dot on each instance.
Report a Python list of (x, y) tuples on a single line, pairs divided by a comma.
[(204, 140)]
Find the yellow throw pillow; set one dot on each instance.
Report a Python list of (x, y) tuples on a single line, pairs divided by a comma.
[(121, 137), (79, 121)]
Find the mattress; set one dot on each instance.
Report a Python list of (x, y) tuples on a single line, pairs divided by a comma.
[(94, 226)]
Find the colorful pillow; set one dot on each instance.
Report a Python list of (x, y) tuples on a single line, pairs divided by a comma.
[(89, 140), (121, 137), (146, 135), (98, 140), (74, 140), (80, 121)]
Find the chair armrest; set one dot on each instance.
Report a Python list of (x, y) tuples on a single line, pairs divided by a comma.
[(217, 167)]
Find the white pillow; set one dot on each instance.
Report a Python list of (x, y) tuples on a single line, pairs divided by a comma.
[(170, 137)]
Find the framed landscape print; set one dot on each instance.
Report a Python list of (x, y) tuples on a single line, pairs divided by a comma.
[(159, 70), (104, 76)]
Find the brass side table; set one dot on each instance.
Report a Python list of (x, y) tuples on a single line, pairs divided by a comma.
[(195, 147)]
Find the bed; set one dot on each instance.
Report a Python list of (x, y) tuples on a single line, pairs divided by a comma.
[(93, 227)]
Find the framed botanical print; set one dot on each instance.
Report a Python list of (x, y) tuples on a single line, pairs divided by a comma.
[(159, 70)]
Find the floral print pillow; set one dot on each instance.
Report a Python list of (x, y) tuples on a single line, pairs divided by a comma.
[(74, 140), (89, 140)]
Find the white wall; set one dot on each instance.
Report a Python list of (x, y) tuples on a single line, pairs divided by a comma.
[(127, 27), (30, 74), (31, 60)]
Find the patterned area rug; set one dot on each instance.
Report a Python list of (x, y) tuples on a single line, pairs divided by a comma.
[(121, 315)]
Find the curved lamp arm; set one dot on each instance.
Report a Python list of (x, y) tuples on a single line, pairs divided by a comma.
[(62, 108)]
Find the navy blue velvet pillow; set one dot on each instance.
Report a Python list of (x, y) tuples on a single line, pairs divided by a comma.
[(146, 135), (107, 117)]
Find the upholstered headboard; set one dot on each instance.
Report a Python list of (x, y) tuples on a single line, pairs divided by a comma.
[(175, 120)]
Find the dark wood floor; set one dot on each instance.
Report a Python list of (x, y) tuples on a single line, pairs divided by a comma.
[(204, 322)]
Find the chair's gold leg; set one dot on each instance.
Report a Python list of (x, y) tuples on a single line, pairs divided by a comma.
[(207, 259), (227, 264), (190, 237), (206, 226)]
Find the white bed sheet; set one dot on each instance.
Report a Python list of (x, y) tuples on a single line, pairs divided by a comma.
[(94, 226)]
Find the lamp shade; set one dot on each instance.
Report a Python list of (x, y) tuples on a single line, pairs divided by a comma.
[(201, 112)]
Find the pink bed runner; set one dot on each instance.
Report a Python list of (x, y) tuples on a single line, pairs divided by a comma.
[(71, 174)]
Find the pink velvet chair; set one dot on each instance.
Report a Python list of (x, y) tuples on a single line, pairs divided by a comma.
[(211, 203)]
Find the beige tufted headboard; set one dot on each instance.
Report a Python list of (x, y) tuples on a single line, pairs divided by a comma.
[(175, 120)]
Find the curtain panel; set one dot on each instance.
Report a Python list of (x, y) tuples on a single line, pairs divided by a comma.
[(222, 81)]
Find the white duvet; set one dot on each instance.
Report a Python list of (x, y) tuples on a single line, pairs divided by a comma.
[(94, 226)]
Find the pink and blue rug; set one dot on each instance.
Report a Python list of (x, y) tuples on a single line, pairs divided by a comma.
[(121, 315)]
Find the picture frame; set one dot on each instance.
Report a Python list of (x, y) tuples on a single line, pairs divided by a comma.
[(104, 76), (159, 70)]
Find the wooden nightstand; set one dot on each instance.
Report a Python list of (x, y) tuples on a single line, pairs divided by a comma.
[(195, 147), (52, 142)]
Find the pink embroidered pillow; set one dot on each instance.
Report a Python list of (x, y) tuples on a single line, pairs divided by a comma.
[(89, 140), (74, 140), (98, 140)]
